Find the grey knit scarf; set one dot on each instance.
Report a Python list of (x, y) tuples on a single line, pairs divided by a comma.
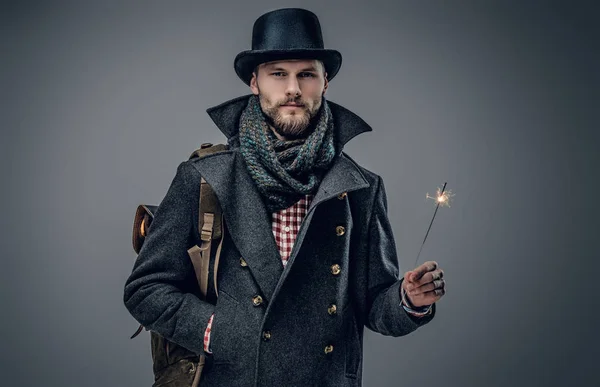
[(285, 171)]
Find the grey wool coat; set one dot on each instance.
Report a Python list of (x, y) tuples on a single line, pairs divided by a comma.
[(162, 293)]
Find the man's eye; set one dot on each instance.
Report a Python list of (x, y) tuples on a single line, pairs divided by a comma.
[(303, 75)]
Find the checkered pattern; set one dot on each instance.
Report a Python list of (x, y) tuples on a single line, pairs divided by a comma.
[(207, 334), (285, 224)]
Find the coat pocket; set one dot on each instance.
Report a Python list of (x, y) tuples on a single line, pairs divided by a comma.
[(353, 353), (225, 329)]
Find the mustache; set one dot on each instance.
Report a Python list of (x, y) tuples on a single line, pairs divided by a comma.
[(292, 101)]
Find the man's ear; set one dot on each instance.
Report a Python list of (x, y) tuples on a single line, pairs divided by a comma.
[(326, 85), (254, 84)]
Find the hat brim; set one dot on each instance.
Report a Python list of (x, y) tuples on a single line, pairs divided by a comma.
[(246, 61)]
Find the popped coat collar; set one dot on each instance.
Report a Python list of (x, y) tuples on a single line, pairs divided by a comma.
[(346, 124), (245, 213)]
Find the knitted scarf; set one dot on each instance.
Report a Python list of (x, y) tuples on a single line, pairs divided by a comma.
[(285, 171)]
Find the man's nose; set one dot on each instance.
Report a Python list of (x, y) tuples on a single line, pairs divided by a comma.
[(293, 88)]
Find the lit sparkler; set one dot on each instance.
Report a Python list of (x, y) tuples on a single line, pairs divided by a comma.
[(442, 198)]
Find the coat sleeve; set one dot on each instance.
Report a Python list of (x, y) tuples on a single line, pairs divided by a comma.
[(159, 293), (385, 313)]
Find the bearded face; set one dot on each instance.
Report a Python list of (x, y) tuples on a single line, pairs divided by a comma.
[(291, 94), (290, 117)]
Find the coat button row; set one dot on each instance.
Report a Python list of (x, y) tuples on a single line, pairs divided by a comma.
[(257, 300), (332, 309), (329, 349), (335, 269)]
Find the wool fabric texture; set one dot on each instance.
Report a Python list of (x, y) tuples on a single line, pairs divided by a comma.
[(285, 171)]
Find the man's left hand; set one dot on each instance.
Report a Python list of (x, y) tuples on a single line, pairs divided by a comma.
[(425, 284)]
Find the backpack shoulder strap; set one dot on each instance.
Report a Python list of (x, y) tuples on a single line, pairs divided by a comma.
[(210, 225), (208, 148)]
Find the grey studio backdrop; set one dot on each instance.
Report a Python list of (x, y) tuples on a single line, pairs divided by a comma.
[(102, 100)]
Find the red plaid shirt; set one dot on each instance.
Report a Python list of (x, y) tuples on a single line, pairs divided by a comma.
[(285, 224)]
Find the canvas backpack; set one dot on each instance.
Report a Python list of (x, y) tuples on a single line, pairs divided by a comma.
[(174, 365)]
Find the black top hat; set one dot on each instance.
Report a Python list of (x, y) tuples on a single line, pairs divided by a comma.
[(288, 33)]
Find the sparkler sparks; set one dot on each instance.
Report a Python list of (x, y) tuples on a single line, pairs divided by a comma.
[(443, 199)]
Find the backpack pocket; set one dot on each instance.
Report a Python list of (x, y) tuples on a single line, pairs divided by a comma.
[(180, 374)]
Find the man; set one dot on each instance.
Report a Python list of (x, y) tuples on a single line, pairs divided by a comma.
[(308, 258)]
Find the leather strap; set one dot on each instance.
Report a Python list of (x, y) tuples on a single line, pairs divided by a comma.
[(140, 328), (200, 256), (196, 258), (205, 250), (218, 254), (199, 368)]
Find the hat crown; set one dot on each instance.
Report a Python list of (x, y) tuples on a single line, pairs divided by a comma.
[(285, 34), (288, 28)]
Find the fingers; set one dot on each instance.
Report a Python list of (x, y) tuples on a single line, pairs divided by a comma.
[(428, 297), (420, 271), (425, 279), (434, 294), (425, 285), (431, 286)]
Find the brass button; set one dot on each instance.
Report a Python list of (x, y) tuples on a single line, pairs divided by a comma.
[(329, 349), (342, 195), (243, 262), (340, 230), (335, 269), (257, 300), (266, 335), (332, 309)]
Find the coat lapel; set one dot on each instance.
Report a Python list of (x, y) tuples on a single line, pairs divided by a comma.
[(246, 216), (343, 176)]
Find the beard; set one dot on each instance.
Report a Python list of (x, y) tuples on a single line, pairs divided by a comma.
[(297, 122)]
